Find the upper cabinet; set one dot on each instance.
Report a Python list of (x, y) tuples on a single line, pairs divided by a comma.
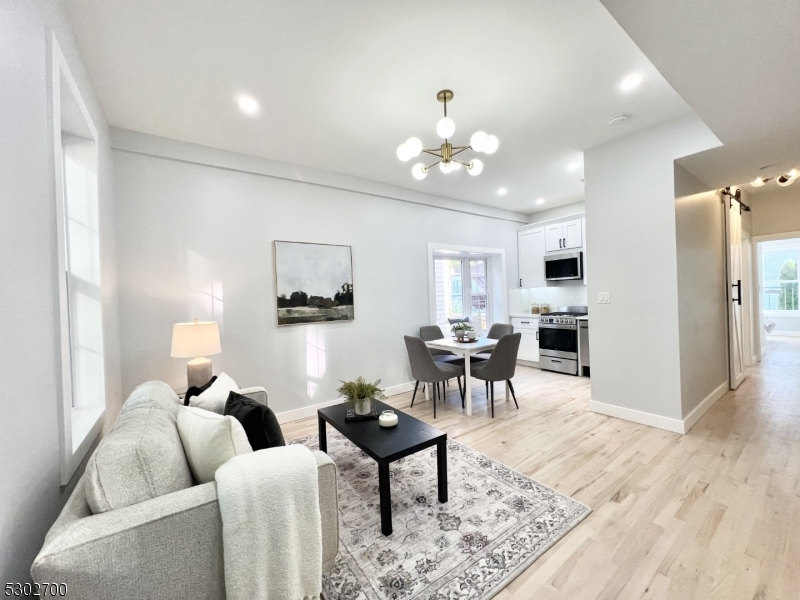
[(530, 243), (566, 235), (550, 237)]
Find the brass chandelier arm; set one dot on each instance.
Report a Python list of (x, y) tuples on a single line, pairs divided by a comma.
[(462, 163), (460, 149), (433, 165), (435, 153)]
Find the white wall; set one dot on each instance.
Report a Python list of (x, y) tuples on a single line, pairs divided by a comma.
[(557, 212), (630, 204), (30, 495), (702, 298), (184, 226), (775, 209)]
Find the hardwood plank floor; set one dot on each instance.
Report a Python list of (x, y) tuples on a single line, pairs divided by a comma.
[(714, 514)]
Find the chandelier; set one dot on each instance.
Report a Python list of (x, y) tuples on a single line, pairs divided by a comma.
[(446, 153)]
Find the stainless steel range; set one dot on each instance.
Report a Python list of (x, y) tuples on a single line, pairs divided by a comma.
[(558, 339)]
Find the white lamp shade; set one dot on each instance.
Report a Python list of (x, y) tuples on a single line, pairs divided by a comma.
[(446, 167), (475, 167), (490, 147), (403, 153), (419, 171), (478, 141), (195, 339), (413, 146), (445, 128)]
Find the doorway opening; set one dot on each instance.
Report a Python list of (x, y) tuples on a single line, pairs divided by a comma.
[(467, 282), (779, 314)]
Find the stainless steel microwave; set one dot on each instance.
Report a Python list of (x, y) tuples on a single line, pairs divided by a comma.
[(561, 267)]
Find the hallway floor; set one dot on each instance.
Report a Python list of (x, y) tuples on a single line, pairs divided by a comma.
[(714, 514)]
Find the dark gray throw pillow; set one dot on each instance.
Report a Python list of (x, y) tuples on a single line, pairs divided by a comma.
[(197, 390), (259, 422)]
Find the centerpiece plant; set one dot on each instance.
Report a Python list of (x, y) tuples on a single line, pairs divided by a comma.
[(360, 393), (461, 329)]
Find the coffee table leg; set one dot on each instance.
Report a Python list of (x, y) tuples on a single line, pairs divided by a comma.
[(386, 498), (323, 436), (441, 468)]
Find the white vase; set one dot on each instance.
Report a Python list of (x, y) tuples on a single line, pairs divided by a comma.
[(364, 408)]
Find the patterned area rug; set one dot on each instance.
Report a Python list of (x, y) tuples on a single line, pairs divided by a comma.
[(495, 524)]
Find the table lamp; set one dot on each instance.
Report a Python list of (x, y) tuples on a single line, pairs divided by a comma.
[(196, 341)]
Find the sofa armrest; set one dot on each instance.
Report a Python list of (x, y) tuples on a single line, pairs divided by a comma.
[(259, 394), (167, 547)]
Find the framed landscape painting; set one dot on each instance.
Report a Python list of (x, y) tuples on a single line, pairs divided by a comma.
[(314, 283)]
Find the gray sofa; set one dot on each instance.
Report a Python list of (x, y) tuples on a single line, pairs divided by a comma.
[(158, 545)]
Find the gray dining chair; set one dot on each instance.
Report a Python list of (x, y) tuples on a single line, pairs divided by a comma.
[(429, 333), (500, 366), (426, 370), (496, 331)]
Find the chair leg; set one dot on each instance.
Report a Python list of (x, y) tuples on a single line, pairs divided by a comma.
[(460, 391), (487, 388), (415, 395), (491, 387), (435, 393), (513, 395), (448, 383)]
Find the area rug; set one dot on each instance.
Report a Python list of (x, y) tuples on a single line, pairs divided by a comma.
[(496, 523)]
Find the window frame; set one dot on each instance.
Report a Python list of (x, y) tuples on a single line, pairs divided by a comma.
[(72, 422)]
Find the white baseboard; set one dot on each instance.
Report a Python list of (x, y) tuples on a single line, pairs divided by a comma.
[(784, 333), (701, 409), (667, 423), (637, 416), (311, 411)]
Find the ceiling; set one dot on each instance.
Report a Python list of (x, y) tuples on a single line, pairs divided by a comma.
[(737, 67), (342, 84)]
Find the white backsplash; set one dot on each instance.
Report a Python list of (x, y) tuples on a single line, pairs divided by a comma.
[(562, 294)]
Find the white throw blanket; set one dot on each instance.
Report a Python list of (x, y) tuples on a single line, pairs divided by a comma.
[(271, 527)]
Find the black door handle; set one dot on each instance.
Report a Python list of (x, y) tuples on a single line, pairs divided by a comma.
[(738, 286), (520, 283)]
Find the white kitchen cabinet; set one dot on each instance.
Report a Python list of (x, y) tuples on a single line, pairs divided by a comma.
[(530, 244), (573, 234), (529, 344), (565, 235)]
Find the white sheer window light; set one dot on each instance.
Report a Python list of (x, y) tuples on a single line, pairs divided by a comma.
[(79, 278), (779, 286), (462, 290)]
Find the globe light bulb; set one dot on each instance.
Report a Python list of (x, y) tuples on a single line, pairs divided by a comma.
[(445, 128), (413, 146), (475, 167), (490, 147), (446, 167), (403, 153), (419, 171), (478, 140)]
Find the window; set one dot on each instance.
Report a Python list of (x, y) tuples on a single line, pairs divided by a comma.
[(79, 277), (456, 298), (779, 288)]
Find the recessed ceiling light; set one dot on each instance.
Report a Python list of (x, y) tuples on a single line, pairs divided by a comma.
[(757, 182), (540, 201), (248, 105), (573, 166), (502, 192), (631, 82)]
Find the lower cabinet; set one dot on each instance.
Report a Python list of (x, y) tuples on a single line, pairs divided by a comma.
[(529, 345)]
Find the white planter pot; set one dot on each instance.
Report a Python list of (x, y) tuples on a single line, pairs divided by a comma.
[(364, 408)]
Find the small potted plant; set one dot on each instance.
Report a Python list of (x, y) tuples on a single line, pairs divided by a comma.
[(360, 393), (460, 329)]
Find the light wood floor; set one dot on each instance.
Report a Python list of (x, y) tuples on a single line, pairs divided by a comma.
[(714, 514)]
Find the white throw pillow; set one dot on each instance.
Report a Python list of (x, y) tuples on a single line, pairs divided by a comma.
[(214, 398), (210, 440)]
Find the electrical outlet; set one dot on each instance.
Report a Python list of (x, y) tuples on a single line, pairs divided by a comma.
[(604, 297)]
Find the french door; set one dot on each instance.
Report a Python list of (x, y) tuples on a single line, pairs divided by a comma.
[(462, 290)]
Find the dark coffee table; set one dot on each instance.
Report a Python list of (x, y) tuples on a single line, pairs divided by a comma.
[(386, 445)]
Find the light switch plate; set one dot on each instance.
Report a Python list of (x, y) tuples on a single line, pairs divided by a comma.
[(604, 297)]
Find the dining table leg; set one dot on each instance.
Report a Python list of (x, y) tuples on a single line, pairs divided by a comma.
[(467, 383)]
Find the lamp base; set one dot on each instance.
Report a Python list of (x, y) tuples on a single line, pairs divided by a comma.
[(198, 371)]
